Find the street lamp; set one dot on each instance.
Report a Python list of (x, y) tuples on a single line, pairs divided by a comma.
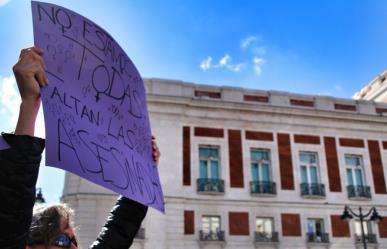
[(348, 214), (39, 199)]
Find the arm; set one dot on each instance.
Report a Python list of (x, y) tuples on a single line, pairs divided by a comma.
[(19, 165), (124, 220), (121, 226)]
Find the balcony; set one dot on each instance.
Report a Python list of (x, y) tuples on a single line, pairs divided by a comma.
[(140, 234), (313, 190), (370, 238), (211, 235), (317, 238), (263, 188), (210, 186), (359, 192), (262, 237)]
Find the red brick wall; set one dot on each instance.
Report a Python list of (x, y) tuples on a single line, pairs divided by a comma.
[(291, 225), (239, 223), (259, 135), (350, 142), (383, 228), (235, 157), (340, 228), (301, 102), (332, 164), (306, 139), (285, 160), (380, 110), (345, 107), (189, 222), (377, 167), (213, 95), (208, 132), (186, 156), (254, 98)]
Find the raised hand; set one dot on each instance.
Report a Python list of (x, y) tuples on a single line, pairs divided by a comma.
[(30, 76)]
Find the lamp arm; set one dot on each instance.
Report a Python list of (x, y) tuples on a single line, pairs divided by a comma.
[(352, 212), (369, 212)]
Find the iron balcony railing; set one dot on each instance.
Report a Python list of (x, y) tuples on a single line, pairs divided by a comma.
[(317, 237), (312, 189), (266, 237), (359, 191), (263, 187), (369, 238), (140, 233), (211, 235), (210, 185)]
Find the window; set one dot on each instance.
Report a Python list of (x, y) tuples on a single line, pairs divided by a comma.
[(316, 226), (316, 231), (211, 228), (260, 165), (264, 225), (210, 223), (354, 166), (209, 162), (309, 167), (366, 225)]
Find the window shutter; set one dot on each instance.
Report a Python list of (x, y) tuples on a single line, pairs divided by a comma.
[(340, 228), (238, 223), (189, 222), (285, 160), (235, 157), (291, 225)]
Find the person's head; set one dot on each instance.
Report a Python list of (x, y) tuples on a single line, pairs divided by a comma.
[(51, 228)]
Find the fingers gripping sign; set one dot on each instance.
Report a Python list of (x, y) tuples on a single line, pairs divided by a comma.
[(30, 76), (29, 73)]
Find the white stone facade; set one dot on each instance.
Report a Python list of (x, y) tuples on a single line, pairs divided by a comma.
[(375, 90), (173, 105)]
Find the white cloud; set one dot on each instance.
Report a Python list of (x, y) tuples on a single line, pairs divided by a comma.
[(224, 62), (206, 64), (237, 67), (250, 44), (248, 40), (4, 2), (9, 98), (257, 63), (10, 104)]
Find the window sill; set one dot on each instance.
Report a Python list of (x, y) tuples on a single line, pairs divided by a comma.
[(316, 197), (263, 195), (210, 193), (266, 244), (359, 245), (359, 198), (212, 244), (318, 245)]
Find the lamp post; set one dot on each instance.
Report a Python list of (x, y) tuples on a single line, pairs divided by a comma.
[(348, 214), (39, 199)]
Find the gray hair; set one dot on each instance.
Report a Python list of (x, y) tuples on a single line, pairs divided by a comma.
[(46, 223)]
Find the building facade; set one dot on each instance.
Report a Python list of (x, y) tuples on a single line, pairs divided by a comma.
[(375, 90), (254, 169)]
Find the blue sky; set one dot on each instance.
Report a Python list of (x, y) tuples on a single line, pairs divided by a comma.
[(321, 47)]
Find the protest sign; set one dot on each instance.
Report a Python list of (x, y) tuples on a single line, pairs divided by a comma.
[(95, 108)]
